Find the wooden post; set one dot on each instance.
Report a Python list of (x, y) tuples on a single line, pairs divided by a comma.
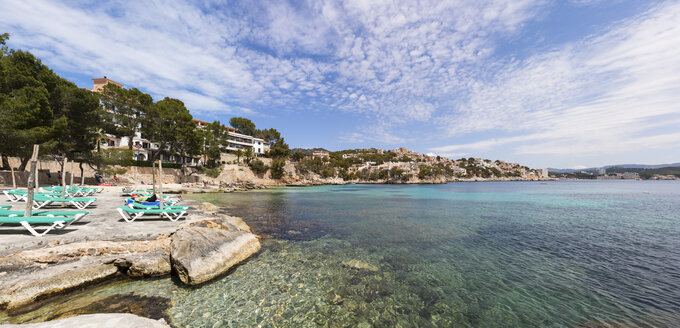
[(135, 178), (160, 181), (82, 174), (31, 180), (72, 173), (63, 178), (14, 180), (153, 177), (37, 183)]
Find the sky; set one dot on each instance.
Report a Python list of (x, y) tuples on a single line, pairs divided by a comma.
[(568, 84)]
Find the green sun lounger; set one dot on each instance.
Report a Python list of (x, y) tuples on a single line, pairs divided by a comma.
[(72, 190), (20, 195), (131, 214), (57, 222), (76, 214), (40, 201), (5, 207)]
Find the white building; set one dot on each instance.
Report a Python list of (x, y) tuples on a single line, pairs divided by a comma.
[(237, 141), (544, 173)]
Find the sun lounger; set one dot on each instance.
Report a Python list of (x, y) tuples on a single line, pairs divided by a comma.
[(73, 190), (155, 205), (76, 214), (57, 222), (131, 214), (20, 195), (5, 207), (40, 201)]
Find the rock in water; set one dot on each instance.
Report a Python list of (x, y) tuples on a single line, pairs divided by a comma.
[(98, 321), (360, 265), (208, 207), (199, 253)]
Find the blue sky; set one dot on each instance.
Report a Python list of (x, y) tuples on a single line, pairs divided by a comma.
[(544, 83)]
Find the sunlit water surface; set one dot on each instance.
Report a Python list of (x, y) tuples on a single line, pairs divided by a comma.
[(487, 254)]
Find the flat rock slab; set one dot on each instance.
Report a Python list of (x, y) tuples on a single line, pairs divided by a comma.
[(202, 252), (121, 320), (23, 290)]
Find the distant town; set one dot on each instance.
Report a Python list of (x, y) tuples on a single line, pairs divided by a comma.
[(657, 172)]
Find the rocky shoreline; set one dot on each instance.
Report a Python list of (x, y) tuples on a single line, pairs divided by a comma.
[(205, 246)]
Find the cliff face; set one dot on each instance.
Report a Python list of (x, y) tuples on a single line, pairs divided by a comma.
[(398, 166)]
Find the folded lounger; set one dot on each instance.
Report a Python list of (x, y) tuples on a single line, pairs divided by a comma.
[(76, 214), (131, 214), (58, 222), (40, 201)]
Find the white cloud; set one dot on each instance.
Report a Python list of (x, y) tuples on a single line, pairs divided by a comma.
[(617, 92), (396, 56)]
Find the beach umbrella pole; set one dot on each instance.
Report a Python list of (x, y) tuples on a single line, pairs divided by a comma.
[(31, 180)]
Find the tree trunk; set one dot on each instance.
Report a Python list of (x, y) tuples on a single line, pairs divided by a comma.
[(24, 162), (5, 162), (130, 141), (72, 173), (82, 174)]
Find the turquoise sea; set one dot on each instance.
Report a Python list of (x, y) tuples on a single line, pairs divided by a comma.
[(479, 254)]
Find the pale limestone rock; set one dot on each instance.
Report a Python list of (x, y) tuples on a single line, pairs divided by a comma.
[(208, 207), (201, 253), (27, 287), (108, 320), (151, 264)]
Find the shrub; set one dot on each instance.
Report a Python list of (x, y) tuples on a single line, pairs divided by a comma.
[(277, 168), (213, 173), (258, 166)]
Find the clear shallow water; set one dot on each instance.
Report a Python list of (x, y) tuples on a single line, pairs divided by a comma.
[(506, 254)]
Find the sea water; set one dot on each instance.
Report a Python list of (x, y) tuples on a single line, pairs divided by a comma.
[(478, 254)]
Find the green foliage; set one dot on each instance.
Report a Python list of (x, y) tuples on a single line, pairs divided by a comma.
[(169, 124), (122, 157), (124, 110), (239, 153), (27, 89), (243, 124), (298, 156), (427, 171), (213, 154), (211, 172), (279, 149), (78, 118), (248, 154), (258, 167), (277, 170), (268, 135)]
